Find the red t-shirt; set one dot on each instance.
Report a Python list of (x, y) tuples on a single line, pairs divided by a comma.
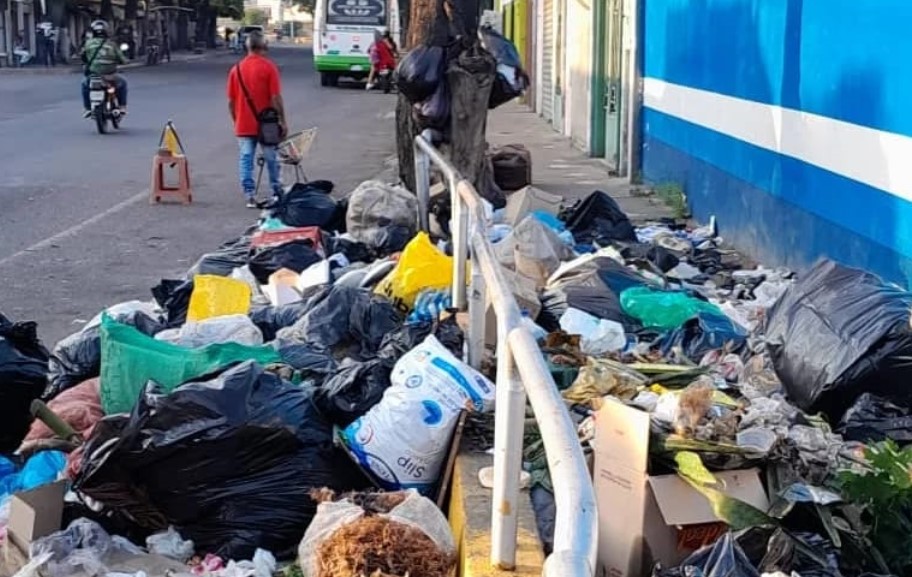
[(385, 58), (261, 77)]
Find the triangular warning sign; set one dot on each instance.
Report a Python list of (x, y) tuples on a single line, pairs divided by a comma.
[(170, 140)]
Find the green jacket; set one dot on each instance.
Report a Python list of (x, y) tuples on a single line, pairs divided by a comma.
[(109, 56)]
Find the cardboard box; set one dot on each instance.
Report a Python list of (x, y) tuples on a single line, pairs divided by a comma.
[(36, 513), (527, 200), (643, 518)]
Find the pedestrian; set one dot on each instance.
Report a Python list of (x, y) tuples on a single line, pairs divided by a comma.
[(50, 45), (258, 113), (21, 53)]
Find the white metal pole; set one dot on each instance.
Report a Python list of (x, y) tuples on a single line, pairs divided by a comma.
[(509, 420), (459, 226), (478, 310)]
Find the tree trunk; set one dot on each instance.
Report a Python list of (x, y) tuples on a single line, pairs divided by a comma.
[(470, 77), (427, 25)]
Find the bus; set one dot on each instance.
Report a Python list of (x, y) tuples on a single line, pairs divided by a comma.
[(343, 32)]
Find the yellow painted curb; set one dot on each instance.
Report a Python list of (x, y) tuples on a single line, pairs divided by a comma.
[(470, 519)]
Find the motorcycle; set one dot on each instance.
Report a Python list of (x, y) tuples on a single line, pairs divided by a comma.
[(105, 107)]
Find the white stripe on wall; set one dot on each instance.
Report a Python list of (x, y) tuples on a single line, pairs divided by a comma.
[(874, 157)]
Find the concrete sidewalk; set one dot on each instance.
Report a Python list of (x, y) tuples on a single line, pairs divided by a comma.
[(71, 68), (560, 169)]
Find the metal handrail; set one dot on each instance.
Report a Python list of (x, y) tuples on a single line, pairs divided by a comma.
[(521, 371)]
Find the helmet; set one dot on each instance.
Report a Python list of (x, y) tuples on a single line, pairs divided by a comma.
[(99, 28)]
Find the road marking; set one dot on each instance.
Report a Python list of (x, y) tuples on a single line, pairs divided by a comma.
[(77, 228)]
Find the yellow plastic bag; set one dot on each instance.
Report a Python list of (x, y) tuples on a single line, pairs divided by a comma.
[(218, 296), (421, 266)]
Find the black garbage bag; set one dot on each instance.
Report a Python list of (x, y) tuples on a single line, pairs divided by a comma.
[(434, 112), (511, 80), (307, 204), (724, 558), (872, 419), (313, 363), (420, 72), (222, 262), (23, 376), (296, 255), (173, 296), (353, 250), (583, 289), (704, 333), (839, 332), (786, 552), (351, 319), (270, 319), (353, 390), (77, 358), (599, 220), (238, 474), (658, 257), (397, 343)]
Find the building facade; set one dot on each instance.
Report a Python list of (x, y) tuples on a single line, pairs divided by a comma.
[(785, 119)]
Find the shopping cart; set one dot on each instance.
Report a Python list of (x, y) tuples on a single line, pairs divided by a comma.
[(291, 152)]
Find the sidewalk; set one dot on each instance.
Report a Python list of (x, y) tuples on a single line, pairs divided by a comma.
[(71, 68), (559, 168)]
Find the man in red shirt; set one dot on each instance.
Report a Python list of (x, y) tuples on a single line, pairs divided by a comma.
[(260, 77)]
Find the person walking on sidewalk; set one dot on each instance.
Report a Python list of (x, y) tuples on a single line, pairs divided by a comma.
[(258, 113)]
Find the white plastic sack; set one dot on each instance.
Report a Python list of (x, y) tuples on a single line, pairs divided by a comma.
[(227, 329), (151, 310), (404, 439), (533, 250), (170, 544), (599, 336), (375, 207), (416, 511)]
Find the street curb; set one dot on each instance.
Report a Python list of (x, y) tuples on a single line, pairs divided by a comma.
[(470, 520)]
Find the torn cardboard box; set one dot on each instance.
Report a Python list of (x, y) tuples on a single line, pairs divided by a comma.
[(643, 518), (36, 513), (528, 200)]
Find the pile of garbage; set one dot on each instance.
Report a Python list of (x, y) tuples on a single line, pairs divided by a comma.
[(312, 353), (782, 401)]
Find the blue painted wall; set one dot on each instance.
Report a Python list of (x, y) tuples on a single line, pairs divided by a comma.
[(847, 60)]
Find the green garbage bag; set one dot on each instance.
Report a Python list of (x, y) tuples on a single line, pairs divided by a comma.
[(664, 309), (130, 359)]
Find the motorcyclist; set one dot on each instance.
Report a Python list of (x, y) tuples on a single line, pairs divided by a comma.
[(382, 54), (101, 56)]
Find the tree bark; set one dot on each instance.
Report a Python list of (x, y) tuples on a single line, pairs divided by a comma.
[(427, 25), (470, 77)]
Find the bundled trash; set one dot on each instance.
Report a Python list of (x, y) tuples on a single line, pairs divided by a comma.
[(394, 534)]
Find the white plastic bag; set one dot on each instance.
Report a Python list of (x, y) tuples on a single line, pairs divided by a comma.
[(404, 439), (415, 510), (599, 336), (227, 329), (170, 544)]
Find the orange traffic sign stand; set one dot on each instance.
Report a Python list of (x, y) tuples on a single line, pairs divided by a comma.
[(159, 191)]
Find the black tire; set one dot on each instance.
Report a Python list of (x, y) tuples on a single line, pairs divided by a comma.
[(333, 80), (115, 122), (324, 80), (100, 123)]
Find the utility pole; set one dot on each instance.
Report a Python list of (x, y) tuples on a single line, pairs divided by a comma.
[(470, 74)]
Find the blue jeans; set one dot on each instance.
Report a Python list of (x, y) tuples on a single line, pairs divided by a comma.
[(247, 146)]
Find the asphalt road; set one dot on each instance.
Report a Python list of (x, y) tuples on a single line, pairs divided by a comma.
[(77, 232)]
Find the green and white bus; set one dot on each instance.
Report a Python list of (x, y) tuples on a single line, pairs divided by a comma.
[(343, 32)]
